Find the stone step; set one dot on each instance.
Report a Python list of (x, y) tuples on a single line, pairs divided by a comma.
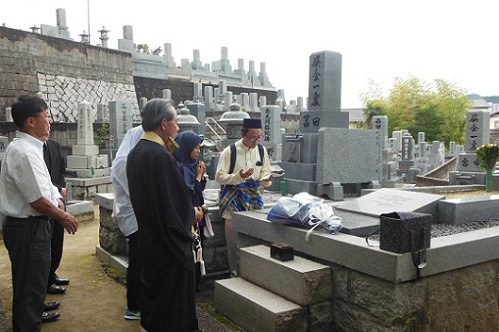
[(300, 280), (256, 309)]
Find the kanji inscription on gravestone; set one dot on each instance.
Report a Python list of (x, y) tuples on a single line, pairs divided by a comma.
[(271, 128), (85, 124), (477, 129), (120, 120)]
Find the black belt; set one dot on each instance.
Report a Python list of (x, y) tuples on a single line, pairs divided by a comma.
[(30, 217)]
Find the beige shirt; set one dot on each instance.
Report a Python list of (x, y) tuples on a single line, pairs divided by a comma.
[(246, 158)]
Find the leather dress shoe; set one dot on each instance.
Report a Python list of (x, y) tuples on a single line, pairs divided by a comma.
[(50, 317), (61, 281), (54, 289), (51, 306)]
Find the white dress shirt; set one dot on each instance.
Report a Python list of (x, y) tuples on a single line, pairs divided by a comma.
[(24, 178), (123, 210)]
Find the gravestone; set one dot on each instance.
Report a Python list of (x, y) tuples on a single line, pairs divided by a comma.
[(397, 134), (85, 134), (307, 159), (227, 101), (263, 101), (437, 154), (85, 159), (253, 102), (324, 109), (380, 122), (208, 99), (407, 148), (102, 113), (167, 94), (452, 149), (271, 131), (422, 161), (198, 92), (120, 120), (198, 110), (477, 134), (142, 103), (238, 99), (196, 60), (8, 114), (222, 88), (245, 101), (348, 156), (299, 104), (421, 137)]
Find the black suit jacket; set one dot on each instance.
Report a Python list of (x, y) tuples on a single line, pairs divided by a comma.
[(56, 164)]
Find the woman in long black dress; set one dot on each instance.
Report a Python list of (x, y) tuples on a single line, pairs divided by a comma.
[(193, 172)]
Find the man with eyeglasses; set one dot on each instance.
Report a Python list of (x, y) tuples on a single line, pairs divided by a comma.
[(242, 168), (29, 200)]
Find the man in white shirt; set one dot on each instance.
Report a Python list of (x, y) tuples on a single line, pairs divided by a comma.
[(241, 168), (28, 199), (127, 222)]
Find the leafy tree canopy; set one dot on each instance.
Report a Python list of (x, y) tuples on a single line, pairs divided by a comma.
[(144, 48), (438, 108)]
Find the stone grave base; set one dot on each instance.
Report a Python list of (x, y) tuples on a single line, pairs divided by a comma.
[(86, 188)]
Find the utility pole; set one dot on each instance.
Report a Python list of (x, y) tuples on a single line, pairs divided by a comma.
[(88, 12)]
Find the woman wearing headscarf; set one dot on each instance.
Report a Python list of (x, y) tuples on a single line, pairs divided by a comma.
[(193, 172)]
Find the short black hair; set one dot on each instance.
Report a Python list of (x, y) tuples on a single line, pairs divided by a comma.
[(25, 107)]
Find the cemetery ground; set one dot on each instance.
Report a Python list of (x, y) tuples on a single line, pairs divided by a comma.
[(95, 300)]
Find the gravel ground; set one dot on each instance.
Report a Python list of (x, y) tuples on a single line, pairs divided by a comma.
[(439, 230)]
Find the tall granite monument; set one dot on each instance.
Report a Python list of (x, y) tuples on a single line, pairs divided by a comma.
[(327, 157)]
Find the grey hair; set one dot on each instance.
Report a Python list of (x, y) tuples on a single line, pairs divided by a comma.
[(155, 111)]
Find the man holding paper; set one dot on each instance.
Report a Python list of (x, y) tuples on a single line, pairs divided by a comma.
[(242, 167)]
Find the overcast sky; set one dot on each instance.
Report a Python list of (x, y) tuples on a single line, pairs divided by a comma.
[(379, 39)]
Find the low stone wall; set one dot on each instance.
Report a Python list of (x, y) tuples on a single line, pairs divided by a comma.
[(438, 176), (376, 290), (110, 237), (114, 242), (459, 300)]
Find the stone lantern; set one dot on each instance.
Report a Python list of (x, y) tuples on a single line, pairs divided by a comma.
[(233, 121), (186, 121)]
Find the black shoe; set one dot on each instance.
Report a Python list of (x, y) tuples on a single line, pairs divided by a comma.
[(61, 281), (54, 289), (49, 306), (50, 317)]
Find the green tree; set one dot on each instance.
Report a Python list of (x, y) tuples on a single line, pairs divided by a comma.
[(439, 109), (144, 48)]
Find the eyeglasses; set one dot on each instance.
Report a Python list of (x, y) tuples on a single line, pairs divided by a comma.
[(254, 138), (48, 116)]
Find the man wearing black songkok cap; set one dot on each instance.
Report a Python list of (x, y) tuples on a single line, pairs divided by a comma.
[(240, 178)]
